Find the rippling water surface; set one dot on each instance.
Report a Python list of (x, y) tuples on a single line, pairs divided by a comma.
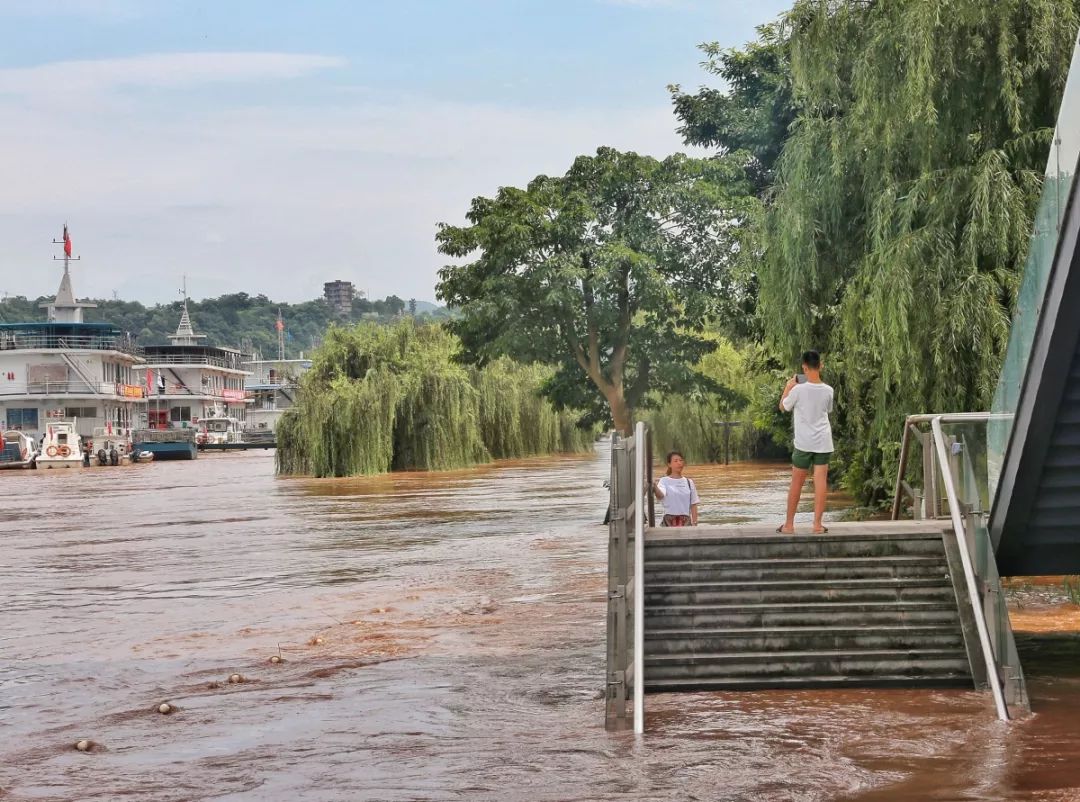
[(442, 638)]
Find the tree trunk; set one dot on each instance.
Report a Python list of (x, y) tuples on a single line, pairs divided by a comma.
[(621, 413)]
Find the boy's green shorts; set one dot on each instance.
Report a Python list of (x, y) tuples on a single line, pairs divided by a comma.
[(804, 459)]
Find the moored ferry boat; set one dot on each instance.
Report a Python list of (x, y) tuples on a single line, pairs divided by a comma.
[(61, 447), (218, 430), (66, 368), (194, 380), (111, 446), (19, 450)]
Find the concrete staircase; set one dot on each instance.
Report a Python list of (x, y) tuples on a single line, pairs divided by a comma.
[(867, 605)]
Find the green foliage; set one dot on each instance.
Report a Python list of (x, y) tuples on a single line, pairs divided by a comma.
[(728, 386), (380, 398), (230, 320), (607, 273), (754, 110), (900, 217)]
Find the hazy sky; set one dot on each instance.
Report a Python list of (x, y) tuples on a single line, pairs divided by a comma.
[(270, 146)]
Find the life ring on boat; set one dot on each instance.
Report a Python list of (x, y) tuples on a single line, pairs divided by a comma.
[(64, 451), (51, 451)]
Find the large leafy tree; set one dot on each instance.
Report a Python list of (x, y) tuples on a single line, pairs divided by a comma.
[(751, 111), (901, 212), (609, 273)]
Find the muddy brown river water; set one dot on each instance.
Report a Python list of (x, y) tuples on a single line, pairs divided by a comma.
[(441, 638)]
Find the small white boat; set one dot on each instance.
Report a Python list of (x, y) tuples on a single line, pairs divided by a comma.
[(219, 430), (142, 456), (61, 447), (19, 450), (111, 446)]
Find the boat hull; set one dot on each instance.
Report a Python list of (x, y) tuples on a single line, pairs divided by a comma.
[(169, 450), (59, 462)]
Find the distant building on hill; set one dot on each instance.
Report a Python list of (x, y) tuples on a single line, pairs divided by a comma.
[(339, 294)]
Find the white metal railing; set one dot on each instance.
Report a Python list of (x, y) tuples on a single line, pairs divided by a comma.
[(982, 583), (629, 511), (641, 486), (59, 388), (10, 341), (155, 359)]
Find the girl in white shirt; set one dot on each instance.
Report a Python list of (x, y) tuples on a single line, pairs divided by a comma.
[(678, 493)]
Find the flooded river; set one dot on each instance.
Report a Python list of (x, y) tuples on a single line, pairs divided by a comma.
[(441, 638)]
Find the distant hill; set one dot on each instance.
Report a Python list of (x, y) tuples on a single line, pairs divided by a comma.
[(237, 320)]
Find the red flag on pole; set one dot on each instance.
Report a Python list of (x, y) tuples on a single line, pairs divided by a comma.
[(67, 242)]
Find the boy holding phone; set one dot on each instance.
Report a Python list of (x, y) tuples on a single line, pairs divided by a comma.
[(811, 401)]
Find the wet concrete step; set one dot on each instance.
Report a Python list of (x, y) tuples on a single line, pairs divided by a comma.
[(906, 662), (695, 549), (932, 588), (711, 640), (669, 571), (800, 614), (807, 682)]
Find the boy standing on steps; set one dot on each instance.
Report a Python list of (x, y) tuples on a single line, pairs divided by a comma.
[(811, 400)]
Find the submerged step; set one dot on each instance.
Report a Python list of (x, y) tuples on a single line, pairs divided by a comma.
[(706, 640), (793, 569), (945, 680), (772, 548), (755, 591), (908, 662), (799, 614)]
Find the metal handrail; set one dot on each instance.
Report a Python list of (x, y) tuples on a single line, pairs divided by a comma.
[(905, 442), (20, 342), (938, 459), (630, 510), (969, 570), (154, 359), (64, 388), (641, 487)]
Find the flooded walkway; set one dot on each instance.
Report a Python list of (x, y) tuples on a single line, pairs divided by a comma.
[(442, 638)]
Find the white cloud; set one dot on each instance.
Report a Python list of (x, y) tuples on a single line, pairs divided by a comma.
[(160, 70), (273, 199)]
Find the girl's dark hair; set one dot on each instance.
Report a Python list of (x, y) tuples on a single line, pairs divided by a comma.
[(667, 460)]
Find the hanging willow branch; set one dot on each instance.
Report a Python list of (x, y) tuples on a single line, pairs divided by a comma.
[(901, 215), (382, 398)]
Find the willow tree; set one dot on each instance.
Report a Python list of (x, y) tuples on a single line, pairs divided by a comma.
[(607, 273), (381, 398), (904, 196)]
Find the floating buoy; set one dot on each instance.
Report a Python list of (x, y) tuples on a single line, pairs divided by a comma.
[(165, 708), (84, 745), (275, 659), (235, 678), (316, 641)]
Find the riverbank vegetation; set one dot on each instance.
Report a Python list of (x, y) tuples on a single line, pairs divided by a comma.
[(876, 172), (381, 398), (236, 320)]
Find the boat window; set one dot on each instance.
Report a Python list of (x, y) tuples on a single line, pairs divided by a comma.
[(22, 418)]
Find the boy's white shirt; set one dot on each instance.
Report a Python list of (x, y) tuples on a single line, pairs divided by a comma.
[(811, 403)]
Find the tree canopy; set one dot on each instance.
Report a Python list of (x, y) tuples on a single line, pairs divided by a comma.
[(900, 216), (608, 273), (234, 320)]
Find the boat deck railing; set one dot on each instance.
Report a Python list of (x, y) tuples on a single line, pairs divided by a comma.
[(11, 341), (71, 388), (164, 435)]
